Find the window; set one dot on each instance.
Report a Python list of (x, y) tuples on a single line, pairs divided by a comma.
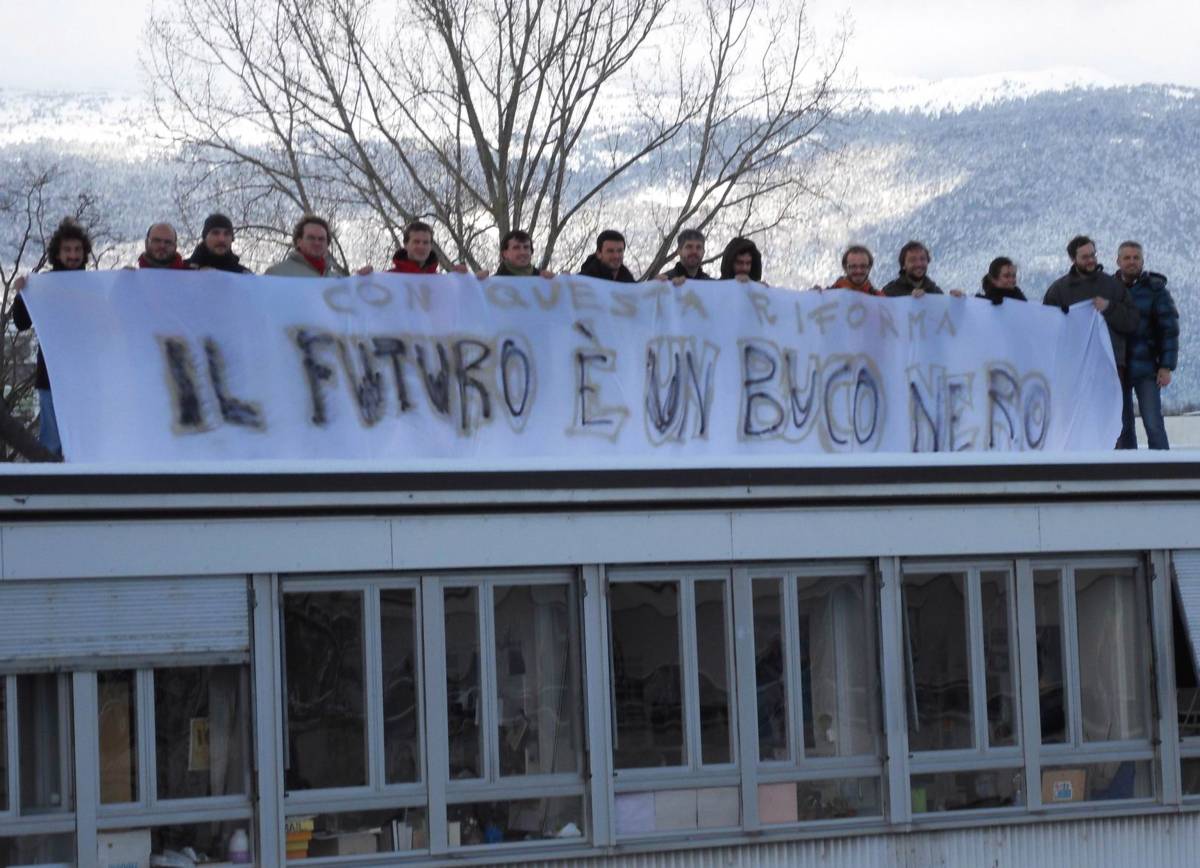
[(355, 765), (818, 696), (514, 709), (672, 693), (963, 714), (1094, 674), (174, 745)]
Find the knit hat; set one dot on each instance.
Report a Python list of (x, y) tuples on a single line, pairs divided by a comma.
[(216, 221)]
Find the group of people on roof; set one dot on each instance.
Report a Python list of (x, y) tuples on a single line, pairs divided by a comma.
[(1141, 315)]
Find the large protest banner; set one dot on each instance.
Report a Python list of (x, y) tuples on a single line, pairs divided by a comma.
[(167, 366)]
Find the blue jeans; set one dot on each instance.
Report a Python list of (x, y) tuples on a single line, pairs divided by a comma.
[(47, 422), (1149, 400)]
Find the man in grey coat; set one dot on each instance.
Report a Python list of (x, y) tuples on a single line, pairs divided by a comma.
[(1087, 280), (309, 256)]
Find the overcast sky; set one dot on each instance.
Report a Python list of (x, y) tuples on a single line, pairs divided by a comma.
[(94, 44)]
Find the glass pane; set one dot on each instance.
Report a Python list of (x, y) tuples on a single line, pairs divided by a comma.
[(646, 674), (116, 696), (326, 723), (1098, 782), (939, 661), (677, 810), (834, 799), (1114, 655), (462, 682), (38, 850), (770, 672), (401, 686), (838, 667), (968, 791), (44, 740), (212, 842), (525, 820), (1191, 777), (537, 679), (998, 659), (716, 734), (201, 716), (1047, 606), (3, 743), (385, 830)]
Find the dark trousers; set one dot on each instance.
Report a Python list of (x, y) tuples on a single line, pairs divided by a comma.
[(1149, 401)]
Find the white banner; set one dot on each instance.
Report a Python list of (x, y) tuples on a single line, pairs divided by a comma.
[(166, 366)]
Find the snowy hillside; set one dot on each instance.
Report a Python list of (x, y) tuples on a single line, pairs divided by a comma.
[(1005, 165)]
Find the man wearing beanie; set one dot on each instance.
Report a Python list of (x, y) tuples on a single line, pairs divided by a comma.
[(215, 249)]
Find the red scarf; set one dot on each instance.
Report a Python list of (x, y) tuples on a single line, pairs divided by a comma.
[(844, 283), (315, 262), (403, 265), (175, 263)]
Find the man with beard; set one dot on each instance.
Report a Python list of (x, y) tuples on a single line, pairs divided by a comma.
[(68, 250), (690, 253), (608, 262), (161, 249), (914, 279), (215, 249)]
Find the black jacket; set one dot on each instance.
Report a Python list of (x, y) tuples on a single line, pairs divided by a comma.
[(680, 271), (1121, 314), (1155, 344), (996, 295), (736, 248), (202, 257), (903, 285), (505, 271), (593, 267)]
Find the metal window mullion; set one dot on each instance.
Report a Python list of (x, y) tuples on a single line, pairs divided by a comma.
[(1027, 684), (489, 684), (895, 717), (86, 765), (793, 674), (433, 622), (741, 596), (595, 674), (731, 705), (1070, 637), (373, 651), (146, 735), (423, 768), (267, 716), (975, 658), (689, 672), (1163, 630), (10, 741)]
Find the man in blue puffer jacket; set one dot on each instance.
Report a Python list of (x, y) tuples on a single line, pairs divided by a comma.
[(1151, 351)]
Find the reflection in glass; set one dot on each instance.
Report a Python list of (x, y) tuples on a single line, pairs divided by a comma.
[(462, 682), (401, 712), (646, 674), (44, 742), (968, 790), (716, 735), (997, 659), (1114, 655), (537, 679), (116, 696), (770, 673), (839, 798), (935, 617), (384, 830), (838, 667), (1191, 776), (1098, 782), (210, 840), (483, 823), (1052, 694), (201, 717), (326, 724), (38, 850)]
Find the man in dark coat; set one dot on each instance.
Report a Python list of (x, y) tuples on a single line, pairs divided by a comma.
[(215, 249), (742, 261), (914, 276), (162, 249), (1153, 348), (516, 256), (1087, 280), (690, 253), (608, 262)]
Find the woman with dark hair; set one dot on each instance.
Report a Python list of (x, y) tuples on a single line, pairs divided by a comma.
[(68, 250), (1000, 282), (741, 261)]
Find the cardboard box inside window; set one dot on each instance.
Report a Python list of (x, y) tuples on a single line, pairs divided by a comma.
[(1063, 785)]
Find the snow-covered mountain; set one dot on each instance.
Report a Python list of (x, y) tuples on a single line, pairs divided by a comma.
[(1002, 165)]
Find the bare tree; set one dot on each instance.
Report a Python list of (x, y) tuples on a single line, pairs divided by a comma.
[(486, 115)]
